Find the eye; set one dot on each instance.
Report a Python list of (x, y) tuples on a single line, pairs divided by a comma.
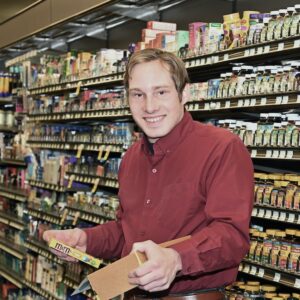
[(136, 95), (161, 93)]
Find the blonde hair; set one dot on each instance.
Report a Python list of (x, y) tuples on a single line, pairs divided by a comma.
[(175, 65)]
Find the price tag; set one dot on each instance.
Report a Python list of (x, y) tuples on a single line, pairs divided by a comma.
[(246, 269), (291, 218), (297, 283), (247, 52), (218, 105), (226, 56), (282, 153), (71, 179), (261, 272), (227, 104), (285, 100), (282, 216), (296, 43), (240, 102), (263, 101), (253, 102), (261, 213), (277, 277), (260, 50), (78, 88), (252, 51), (254, 212), (240, 267), (215, 59), (290, 154), (280, 46), (275, 215), (108, 149), (268, 214), (208, 60), (202, 62), (79, 150), (101, 149), (253, 153), (253, 270), (246, 102), (278, 99), (96, 183), (206, 106), (275, 154), (298, 221), (298, 98), (267, 49), (269, 153)]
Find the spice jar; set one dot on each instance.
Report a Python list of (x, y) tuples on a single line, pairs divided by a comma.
[(253, 292)]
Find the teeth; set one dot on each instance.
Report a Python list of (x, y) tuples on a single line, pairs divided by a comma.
[(153, 120)]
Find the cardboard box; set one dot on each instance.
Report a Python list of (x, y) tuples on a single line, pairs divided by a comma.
[(161, 25), (112, 280)]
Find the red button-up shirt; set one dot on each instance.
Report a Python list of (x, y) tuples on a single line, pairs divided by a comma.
[(198, 182)]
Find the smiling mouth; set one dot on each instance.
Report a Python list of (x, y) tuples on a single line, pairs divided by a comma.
[(153, 119)]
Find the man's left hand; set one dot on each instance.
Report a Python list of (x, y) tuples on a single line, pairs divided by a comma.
[(158, 272)]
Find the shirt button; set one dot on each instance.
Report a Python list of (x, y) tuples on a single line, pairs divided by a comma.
[(154, 171), (148, 201)]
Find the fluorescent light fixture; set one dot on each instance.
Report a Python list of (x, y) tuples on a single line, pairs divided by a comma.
[(116, 24), (57, 44), (95, 31), (43, 49), (75, 38)]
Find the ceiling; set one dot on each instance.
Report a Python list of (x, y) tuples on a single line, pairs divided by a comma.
[(9, 8)]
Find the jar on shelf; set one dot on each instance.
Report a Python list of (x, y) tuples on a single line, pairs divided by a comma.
[(259, 246), (279, 235), (253, 292), (267, 248), (293, 263)]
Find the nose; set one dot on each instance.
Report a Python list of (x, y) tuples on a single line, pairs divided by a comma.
[(150, 104)]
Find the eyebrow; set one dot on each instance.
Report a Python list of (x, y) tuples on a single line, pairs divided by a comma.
[(155, 88)]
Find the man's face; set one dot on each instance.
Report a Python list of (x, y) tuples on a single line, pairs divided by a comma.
[(153, 99)]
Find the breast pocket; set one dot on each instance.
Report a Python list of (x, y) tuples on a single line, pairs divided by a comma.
[(179, 202)]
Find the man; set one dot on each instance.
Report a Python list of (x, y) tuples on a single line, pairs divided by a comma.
[(183, 178)]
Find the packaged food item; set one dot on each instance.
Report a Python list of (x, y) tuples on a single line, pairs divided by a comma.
[(287, 23), (279, 24), (271, 25)]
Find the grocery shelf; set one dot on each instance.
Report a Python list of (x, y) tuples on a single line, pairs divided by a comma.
[(276, 214), (12, 220), (11, 276), (270, 273), (69, 282), (95, 180), (13, 192), (267, 152), (47, 186), (51, 217), (115, 148), (8, 129), (6, 100), (12, 162), (12, 248), (90, 115), (42, 249), (99, 81)]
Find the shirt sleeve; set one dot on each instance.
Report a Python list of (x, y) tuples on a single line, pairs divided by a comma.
[(229, 201), (107, 240)]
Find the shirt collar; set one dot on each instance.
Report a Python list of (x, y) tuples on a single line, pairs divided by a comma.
[(170, 141)]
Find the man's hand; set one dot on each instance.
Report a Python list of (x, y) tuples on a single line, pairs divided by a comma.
[(75, 238), (158, 272)]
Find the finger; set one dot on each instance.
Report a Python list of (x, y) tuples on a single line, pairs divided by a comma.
[(144, 269), (157, 285), (159, 288), (146, 279)]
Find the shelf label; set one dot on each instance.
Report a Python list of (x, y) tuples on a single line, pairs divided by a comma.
[(282, 153), (202, 62), (278, 100), (78, 88), (240, 267), (101, 149), (96, 183), (291, 218), (282, 216), (285, 100), (260, 50), (261, 213), (277, 277), (206, 106), (269, 153), (226, 56), (253, 270), (227, 104), (297, 283), (275, 154), (252, 51), (246, 269), (254, 212), (296, 43), (275, 215), (267, 49), (108, 150), (215, 59), (209, 60), (253, 102), (261, 272), (253, 153), (218, 105), (71, 179), (263, 101), (290, 154), (280, 46), (241, 102), (268, 214), (298, 98), (247, 52), (246, 102)]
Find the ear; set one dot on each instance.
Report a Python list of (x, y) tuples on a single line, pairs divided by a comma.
[(186, 96)]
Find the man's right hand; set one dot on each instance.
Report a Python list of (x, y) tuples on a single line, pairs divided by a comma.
[(75, 238)]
